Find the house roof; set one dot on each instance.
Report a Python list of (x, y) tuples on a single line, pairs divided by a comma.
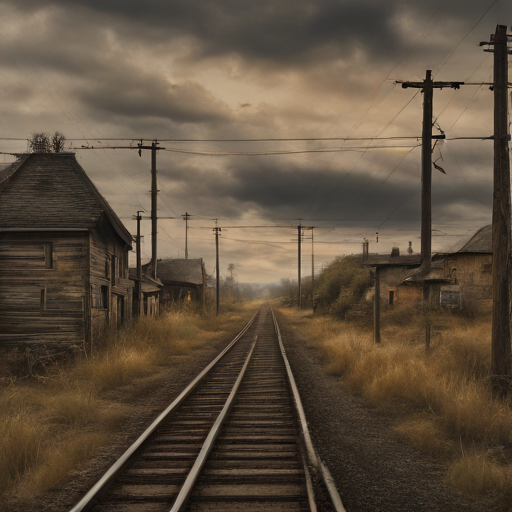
[(385, 260), (52, 191), (179, 271), (480, 242)]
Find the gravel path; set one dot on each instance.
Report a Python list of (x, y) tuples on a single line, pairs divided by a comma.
[(373, 470)]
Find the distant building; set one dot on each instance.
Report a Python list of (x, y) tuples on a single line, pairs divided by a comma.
[(183, 280), (469, 269), (393, 269), (151, 290), (63, 255), (461, 278)]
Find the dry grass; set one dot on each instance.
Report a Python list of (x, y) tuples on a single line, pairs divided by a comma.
[(476, 473), (441, 399), (49, 426)]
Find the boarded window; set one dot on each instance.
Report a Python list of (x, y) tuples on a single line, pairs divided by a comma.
[(48, 255), (114, 270), (26, 255), (104, 297), (450, 298), (43, 299)]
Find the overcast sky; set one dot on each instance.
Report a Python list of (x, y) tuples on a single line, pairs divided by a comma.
[(113, 72)]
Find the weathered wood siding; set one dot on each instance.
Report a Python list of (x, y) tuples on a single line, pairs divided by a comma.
[(42, 288), (110, 288)]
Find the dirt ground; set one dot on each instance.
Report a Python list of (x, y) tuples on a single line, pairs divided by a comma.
[(373, 469)]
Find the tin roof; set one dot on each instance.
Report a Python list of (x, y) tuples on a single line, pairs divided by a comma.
[(52, 191)]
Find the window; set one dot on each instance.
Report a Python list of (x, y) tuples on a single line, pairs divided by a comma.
[(43, 299), (48, 255), (115, 268), (27, 255), (107, 267), (104, 297)]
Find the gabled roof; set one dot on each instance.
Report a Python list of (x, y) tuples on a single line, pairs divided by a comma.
[(179, 271), (52, 191), (480, 242)]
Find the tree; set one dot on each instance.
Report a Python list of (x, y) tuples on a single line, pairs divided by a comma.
[(39, 142), (42, 142), (58, 141)]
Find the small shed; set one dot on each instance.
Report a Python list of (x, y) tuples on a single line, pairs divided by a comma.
[(151, 290), (63, 255), (392, 270), (183, 280)]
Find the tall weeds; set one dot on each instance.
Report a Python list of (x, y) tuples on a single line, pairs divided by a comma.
[(441, 399), (50, 425)]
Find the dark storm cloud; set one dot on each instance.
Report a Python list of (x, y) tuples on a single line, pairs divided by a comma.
[(153, 97), (287, 32), (278, 188)]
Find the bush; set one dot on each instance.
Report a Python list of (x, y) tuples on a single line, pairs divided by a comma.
[(342, 286)]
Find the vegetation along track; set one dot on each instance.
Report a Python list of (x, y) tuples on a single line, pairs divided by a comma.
[(235, 439)]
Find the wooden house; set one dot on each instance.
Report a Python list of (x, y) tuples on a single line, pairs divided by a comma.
[(63, 255), (183, 280)]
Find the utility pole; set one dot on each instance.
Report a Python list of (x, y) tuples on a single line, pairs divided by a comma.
[(299, 238), (501, 268), (427, 88), (154, 191), (376, 307), (216, 229), (312, 270), (185, 217), (138, 282)]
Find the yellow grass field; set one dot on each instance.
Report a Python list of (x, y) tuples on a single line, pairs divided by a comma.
[(441, 400), (51, 424)]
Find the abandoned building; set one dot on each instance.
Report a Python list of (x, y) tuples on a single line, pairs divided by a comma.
[(63, 255), (391, 270), (150, 291), (183, 280), (469, 270), (461, 278)]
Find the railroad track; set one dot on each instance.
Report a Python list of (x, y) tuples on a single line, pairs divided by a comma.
[(235, 439)]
